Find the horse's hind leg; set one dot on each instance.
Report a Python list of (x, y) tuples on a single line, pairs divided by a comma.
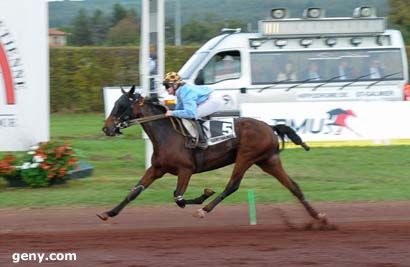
[(273, 166), (150, 175)]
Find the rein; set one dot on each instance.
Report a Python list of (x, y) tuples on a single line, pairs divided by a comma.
[(126, 124), (177, 124)]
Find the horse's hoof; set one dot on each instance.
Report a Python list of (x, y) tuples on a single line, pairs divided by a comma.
[(103, 216), (305, 146), (320, 224), (199, 213), (208, 192), (322, 217)]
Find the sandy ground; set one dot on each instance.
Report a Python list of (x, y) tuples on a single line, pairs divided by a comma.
[(370, 234)]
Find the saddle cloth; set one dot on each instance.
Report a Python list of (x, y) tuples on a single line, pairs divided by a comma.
[(217, 130)]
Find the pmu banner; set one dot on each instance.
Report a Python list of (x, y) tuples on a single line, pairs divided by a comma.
[(24, 78), (337, 121)]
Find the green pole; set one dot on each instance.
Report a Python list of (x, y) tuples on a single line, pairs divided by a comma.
[(252, 209)]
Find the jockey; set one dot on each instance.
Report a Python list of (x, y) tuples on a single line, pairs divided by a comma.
[(193, 102)]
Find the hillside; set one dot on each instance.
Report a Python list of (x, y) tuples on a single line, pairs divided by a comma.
[(62, 13)]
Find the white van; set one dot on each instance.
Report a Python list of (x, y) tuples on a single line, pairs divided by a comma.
[(304, 59)]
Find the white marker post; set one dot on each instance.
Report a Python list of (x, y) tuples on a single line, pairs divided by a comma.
[(152, 51)]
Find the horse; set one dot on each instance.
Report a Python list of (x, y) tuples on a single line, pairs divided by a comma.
[(255, 143)]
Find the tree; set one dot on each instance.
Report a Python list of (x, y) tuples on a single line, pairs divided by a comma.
[(170, 31), (125, 32), (99, 27), (199, 31), (193, 32), (235, 23), (399, 17), (118, 14), (81, 34)]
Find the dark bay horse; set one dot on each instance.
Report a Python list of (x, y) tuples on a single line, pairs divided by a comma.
[(255, 143)]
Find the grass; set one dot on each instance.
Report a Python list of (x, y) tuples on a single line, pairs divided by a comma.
[(324, 174)]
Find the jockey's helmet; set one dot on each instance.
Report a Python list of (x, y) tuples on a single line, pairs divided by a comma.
[(172, 78)]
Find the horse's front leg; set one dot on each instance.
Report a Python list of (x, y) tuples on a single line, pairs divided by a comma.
[(239, 170), (149, 177), (184, 176), (199, 200), (183, 180)]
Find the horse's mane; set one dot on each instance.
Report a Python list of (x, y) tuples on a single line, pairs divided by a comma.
[(155, 103)]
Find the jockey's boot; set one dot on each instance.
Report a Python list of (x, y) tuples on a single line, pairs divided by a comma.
[(202, 142)]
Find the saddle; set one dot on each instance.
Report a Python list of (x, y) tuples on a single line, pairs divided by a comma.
[(216, 130)]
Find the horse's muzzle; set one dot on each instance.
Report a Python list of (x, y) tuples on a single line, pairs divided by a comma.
[(113, 131)]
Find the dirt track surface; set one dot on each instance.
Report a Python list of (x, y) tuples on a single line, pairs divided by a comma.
[(368, 235)]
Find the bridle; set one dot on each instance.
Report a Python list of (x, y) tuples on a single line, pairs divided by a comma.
[(124, 117)]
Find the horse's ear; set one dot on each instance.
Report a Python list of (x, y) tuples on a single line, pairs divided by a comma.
[(123, 91), (131, 92)]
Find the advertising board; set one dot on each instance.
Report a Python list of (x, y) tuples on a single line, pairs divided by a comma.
[(337, 121), (24, 77)]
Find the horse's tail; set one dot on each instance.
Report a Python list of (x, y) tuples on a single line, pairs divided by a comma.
[(283, 130)]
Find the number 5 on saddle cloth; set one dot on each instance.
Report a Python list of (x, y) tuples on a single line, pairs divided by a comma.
[(216, 131)]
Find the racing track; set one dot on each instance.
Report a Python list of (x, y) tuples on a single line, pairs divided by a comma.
[(369, 235)]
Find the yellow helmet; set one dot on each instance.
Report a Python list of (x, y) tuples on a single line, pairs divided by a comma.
[(172, 78)]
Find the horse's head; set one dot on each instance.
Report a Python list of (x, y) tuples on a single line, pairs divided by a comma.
[(122, 111)]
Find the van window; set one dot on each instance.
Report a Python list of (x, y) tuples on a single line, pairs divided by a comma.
[(325, 66), (191, 65), (223, 66)]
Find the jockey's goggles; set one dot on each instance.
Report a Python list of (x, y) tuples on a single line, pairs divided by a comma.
[(167, 85)]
